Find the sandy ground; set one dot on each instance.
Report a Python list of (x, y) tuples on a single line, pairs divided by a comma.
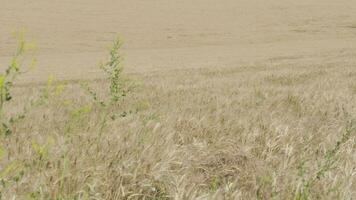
[(72, 35)]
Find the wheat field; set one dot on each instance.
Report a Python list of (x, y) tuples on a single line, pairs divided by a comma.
[(195, 100)]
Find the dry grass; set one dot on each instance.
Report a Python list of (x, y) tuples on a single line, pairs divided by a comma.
[(253, 132)]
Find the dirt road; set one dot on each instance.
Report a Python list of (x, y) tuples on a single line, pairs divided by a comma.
[(72, 35)]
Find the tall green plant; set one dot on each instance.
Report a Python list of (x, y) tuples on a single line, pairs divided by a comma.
[(8, 78)]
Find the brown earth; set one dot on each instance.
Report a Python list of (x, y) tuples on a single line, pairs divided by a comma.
[(72, 35)]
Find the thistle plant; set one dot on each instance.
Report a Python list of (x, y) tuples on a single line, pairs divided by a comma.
[(113, 68)]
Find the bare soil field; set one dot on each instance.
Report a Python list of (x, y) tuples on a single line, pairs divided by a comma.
[(218, 99), (164, 35)]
